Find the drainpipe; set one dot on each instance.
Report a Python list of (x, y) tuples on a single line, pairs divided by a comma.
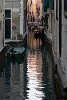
[(3, 12), (21, 16)]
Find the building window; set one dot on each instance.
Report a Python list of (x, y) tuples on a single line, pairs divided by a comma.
[(65, 8), (65, 5), (7, 14)]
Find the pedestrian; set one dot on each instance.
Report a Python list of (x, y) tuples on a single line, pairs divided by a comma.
[(31, 18)]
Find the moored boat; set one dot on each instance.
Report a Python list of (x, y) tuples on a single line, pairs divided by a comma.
[(15, 52)]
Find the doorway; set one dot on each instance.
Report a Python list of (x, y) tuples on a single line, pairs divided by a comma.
[(8, 24)]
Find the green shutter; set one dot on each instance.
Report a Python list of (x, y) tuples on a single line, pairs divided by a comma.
[(46, 4)]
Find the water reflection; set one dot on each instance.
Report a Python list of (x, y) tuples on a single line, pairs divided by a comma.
[(32, 42), (12, 81), (34, 74), (39, 75), (28, 80)]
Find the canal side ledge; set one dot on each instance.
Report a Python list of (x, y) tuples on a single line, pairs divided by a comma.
[(60, 87)]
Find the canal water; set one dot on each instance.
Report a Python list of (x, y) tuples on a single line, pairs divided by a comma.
[(28, 78)]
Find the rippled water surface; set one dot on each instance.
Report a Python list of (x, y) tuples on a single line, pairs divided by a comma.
[(29, 78), (39, 77)]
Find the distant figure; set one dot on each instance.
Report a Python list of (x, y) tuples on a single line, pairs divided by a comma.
[(32, 28), (33, 19)]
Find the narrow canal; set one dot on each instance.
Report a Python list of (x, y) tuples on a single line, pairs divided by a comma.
[(29, 78)]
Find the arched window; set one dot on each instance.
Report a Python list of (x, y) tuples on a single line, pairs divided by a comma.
[(65, 8), (65, 5)]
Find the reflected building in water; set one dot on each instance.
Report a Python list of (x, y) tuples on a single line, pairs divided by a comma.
[(13, 81), (34, 74)]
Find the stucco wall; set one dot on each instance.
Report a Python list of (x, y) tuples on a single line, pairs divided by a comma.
[(14, 5)]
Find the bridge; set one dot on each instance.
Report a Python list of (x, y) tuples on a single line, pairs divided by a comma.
[(35, 24)]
